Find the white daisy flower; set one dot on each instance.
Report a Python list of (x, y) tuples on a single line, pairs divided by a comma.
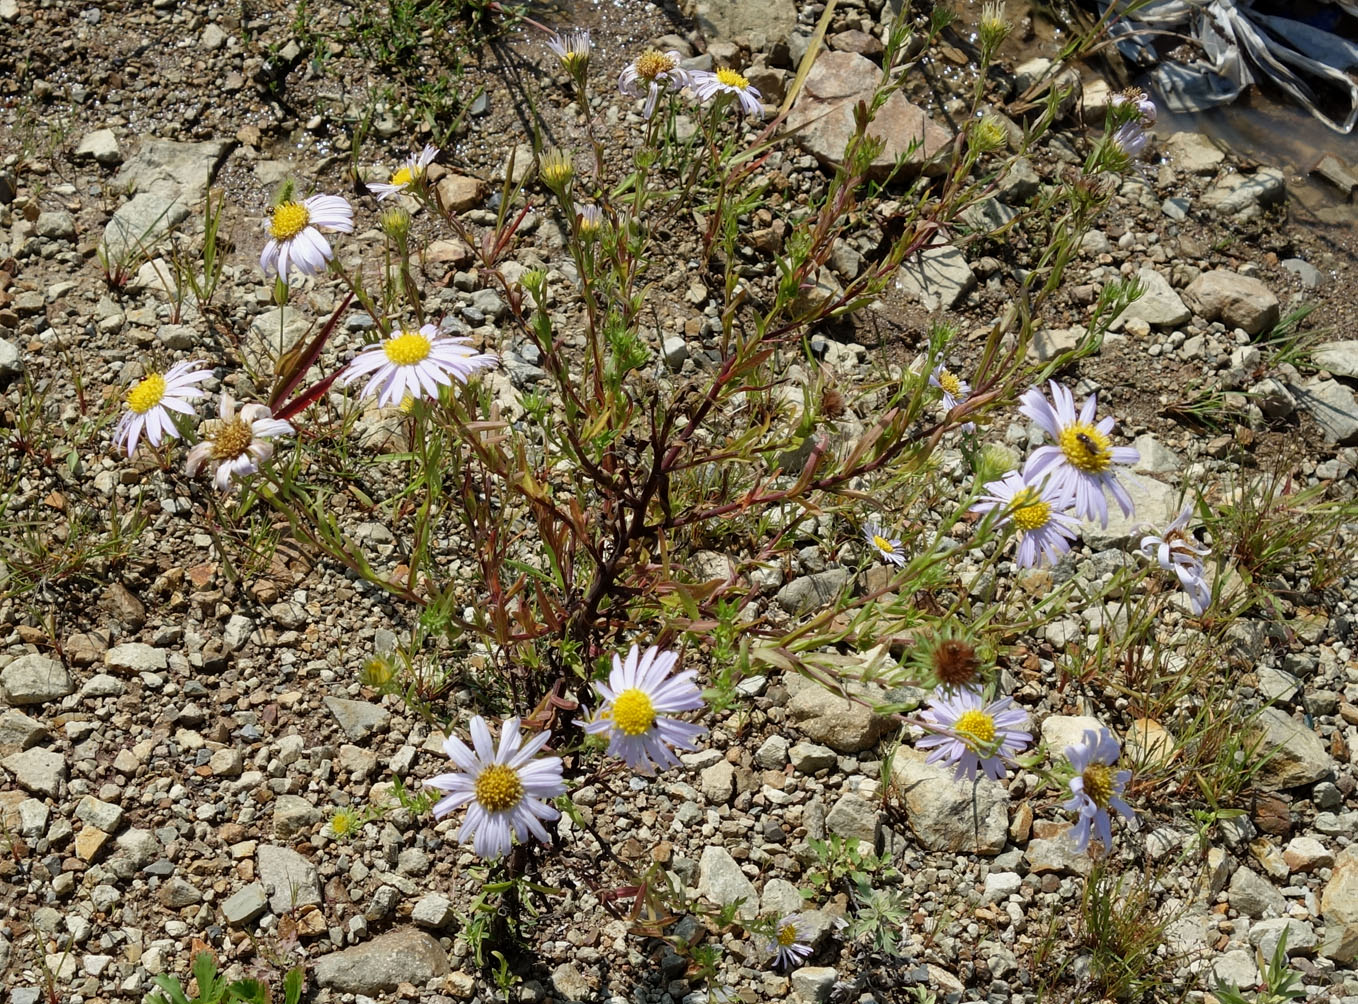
[(1037, 512), (1178, 552), (955, 389), (652, 72), (295, 234), (150, 401), (505, 789), (415, 363), (889, 548), (790, 944), (240, 444), (405, 177), (635, 696), (1081, 463), (727, 81), (983, 735), (572, 48), (1096, 787)]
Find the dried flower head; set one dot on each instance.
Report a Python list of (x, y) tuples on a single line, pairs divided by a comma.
[(954, 661), (556, 169)]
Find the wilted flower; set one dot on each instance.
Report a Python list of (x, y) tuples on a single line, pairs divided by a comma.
[(1178, 552), (653, 71), (637, 693), (589, 219), (295, 234), (1096, 787), (240, 444), (407, 176), (888, 548), (1037, 512), (983, 735), (572, 48), (727, 81), (505, 789), (950, 660), (416, 363), (1081, 463), (555, 168), (790, 943), (1131, 136), (150, 401), (395, 223)]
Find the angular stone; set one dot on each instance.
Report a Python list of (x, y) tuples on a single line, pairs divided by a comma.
[(853, 816), (433, 910), (381, 965), (89, 842), (273, 333), (721, 880), (1339, 900), (812, 984), (100, 145), (358, 719), (289, 879), (1153, 502), (138, 226), (177, 893), (1060, 731), (1158, 305), (293, 814), (136, 657), (1340, 358), (1334, 408), (949, 815), (810, 592), (1298, 755), (780, 897), (822, 119), (1193, 152), (171, 169), (937, 277), (1242, 193), (1254, 895), (245, 905), (1237, 301), (808, 758), (19, 732), (104, 815), (35, 679), (771, 755), (38, 770), (764, 22), (457, 193), (717, 783), (1057, 855), (844, 725)]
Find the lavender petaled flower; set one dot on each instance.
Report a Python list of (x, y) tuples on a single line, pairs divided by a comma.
[(1039, 514), (707, 85), (1177, 552), (1096, 787), (790, 944), (983, 735), (888, 548), (652, 72)]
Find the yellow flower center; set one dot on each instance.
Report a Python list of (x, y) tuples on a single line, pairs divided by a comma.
[(1029, 512), (949, 383), (407, 348), (341, 823), (1098, 782), (289, 220), (498, 788), (232, 440), (146, 393), (405, 175), (556, 167), (1086, 448), (787, 935), (651, 63), (976, 728), (633, 712), (731, 78), (883, 544)]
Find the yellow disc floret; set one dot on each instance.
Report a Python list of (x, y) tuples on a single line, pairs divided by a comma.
[(731, 78), (883, 545), (232, 440), (407, 348), (787, 935), (146, 394), (498, 788), (949, 383), (289, 220), (633, 712), (976, 728), (1029, 511), (1086, 448), (651, 63), (1098, 783), (405, 175)]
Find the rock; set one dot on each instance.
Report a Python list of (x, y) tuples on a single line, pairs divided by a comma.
[(11, 362), (1273, 397), (937, 277), (237, 632), (1266, 934), (100, 145), (37, 770), (358, 719), (433, 910), (844, 725), (780, 898), (771, 21), (1193, 152), (1158, 305), (721, 880), (105, 815), (1156, 458), (381, 965), (18, 732), (813, 984), (293, 814), (1236, 968), (947, 815), (1147, 742), (572, 984), (457, 193), (1339, 901), (139, 847), (1241, 193), (1306, 854), (1297, 755), (771, 755), (854, 816), (1019, 184), (1154, 503), (57, 225), (172, 170), (136, 657), (1334, 408), (1000, 886), (176, 893), (1254, 895), (136, 227), (675, 350), (34, 679), (822, 119), (1060, 731), (808, 758), (717, 783), (213, 38), (810, 592), (1055, 853), (245, 905), (1048, 343), (1340, 358), (273, 333), (1309, 276), (289, 879), (89, 842), (1238, 301)]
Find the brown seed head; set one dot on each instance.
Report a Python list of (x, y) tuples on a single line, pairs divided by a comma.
[(955, 662)]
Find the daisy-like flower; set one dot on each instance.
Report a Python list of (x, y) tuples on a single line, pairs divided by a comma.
[(572, 48), (635, 697), (888, 548), (504, 789), (983, 735), (241, 443), (405, 177), (1096, 787), (415, 363), (727, 81), (1081, 463), (1178, 552), (790, 944), (150, 401), (1037, 512), (295, 234), (955, 389), (589, 219), (650, 73), (555, 168)]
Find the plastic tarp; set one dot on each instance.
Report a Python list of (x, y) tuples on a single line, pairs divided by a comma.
[(1241, 45)]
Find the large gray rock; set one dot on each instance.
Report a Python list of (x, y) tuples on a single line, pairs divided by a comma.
[(822, 119), (19, 732), (138, 225), (245, 905), (1237, 301), (136, 657), (1252, 894), (289, 879), (1297, 755), (1339, 906), (762, 22), (358, 719), (855, 817), (100, 145), (174, 170), (293, 814), (37, 770), (1246, 194), (380, 965), (1334, 408), (721, 880), (950, 815), (34, 679), (844, 725), (1193, 152), (1158, 305), (810, 592), (273, 333), (1340, 358), (937, 277), (1154, 503)]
